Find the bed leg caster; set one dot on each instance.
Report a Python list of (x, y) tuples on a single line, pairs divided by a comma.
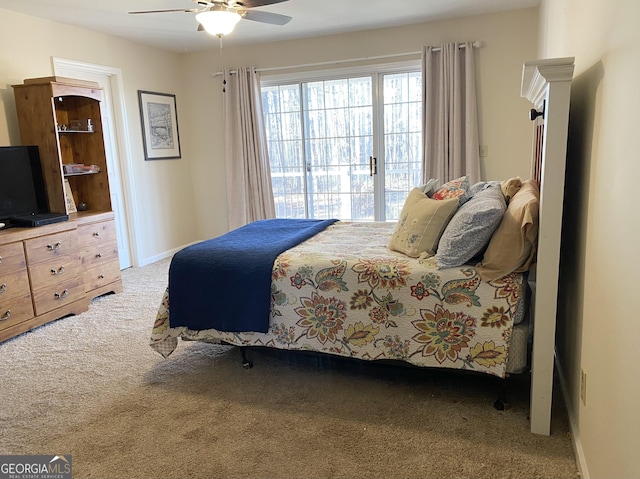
[(501, 403), (246, 364)]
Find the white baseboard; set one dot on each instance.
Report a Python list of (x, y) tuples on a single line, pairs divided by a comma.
[(163, 255), (573, 424)]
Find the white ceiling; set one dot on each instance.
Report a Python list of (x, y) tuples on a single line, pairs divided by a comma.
[(177, 31)]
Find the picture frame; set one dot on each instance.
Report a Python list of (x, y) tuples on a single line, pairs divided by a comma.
[(159, 119)]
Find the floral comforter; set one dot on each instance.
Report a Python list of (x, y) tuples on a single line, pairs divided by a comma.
[(343, 292)]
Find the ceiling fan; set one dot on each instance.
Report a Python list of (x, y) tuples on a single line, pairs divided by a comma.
[(219, 17)]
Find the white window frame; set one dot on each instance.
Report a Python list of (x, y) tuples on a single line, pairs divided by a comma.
[(376, 70)]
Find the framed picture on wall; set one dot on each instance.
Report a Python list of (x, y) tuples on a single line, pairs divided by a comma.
[(159, 120)]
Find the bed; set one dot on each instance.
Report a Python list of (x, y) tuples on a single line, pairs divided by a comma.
[(359, 290), (344, 292)]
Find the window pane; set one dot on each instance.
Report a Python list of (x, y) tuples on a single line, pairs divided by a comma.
[(396, 88), (314, 95), (415, 87), (402, 138), (286, 183), (396, 118), (360, 92), (315, 124), (337, 123), (270, 100), (361, 121), (281, 106), (414, 112), (290, 126), (290, 98), (318, 153), (414, 150), (336, 93)]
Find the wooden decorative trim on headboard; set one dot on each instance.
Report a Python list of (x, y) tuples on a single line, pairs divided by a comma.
[(537, 116), (536, 160), (547, 84)]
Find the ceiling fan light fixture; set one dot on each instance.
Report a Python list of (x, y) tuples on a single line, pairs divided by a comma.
[(218, 22)]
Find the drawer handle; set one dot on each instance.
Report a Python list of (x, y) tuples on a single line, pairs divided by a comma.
[(96, 234), (99, 255), (51, 247), (3, 287), (64, 294), (101, 276), (55, 272), (6, 315), (0, 259)]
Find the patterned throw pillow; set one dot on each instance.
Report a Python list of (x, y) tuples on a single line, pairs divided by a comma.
[(429, 186), (421, 224), (470, 229), (458, 188)]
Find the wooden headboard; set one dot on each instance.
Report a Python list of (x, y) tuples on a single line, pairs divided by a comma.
[(547, 84)]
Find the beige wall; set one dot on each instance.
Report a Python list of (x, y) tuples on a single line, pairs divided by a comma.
[(510, 38), (163, 189), (182, 201), (598, 323)]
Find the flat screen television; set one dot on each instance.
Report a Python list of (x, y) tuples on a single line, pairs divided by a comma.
[(22, 190)]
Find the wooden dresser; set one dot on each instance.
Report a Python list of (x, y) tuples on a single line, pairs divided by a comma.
[(99, 255), (53, 271)]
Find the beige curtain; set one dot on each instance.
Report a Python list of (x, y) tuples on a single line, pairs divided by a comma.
[(249, 192), (449, 112)]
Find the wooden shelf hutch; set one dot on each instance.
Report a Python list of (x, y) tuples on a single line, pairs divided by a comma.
[(51, 271)]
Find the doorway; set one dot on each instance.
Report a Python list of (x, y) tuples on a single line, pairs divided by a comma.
[(116, 148)]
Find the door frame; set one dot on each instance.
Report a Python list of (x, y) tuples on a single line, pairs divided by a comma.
[(122, 144)]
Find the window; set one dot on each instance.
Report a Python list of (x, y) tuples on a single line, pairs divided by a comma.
[(346, 148)]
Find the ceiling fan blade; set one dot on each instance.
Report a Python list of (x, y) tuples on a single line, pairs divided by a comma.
[(258, 3), (266, 17), (188, 10)]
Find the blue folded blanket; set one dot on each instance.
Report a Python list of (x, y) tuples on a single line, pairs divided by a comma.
[(225, 283)]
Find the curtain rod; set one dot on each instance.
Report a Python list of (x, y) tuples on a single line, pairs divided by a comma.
[(476, 44)]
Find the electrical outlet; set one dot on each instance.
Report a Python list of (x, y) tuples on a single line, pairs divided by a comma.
[(583, 387)]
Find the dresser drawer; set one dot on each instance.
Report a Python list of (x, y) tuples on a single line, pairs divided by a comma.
[(100, 275), (13, 285), (100, 254), (11, 258), (58, 295), (15, 311), (46, 248), (95, 234), (55, 270)]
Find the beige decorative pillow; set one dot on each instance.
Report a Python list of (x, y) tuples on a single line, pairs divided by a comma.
[(421, 224), (513, 246), (510, 187)]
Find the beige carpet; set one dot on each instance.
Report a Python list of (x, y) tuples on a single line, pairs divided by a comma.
[(91, 387)]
